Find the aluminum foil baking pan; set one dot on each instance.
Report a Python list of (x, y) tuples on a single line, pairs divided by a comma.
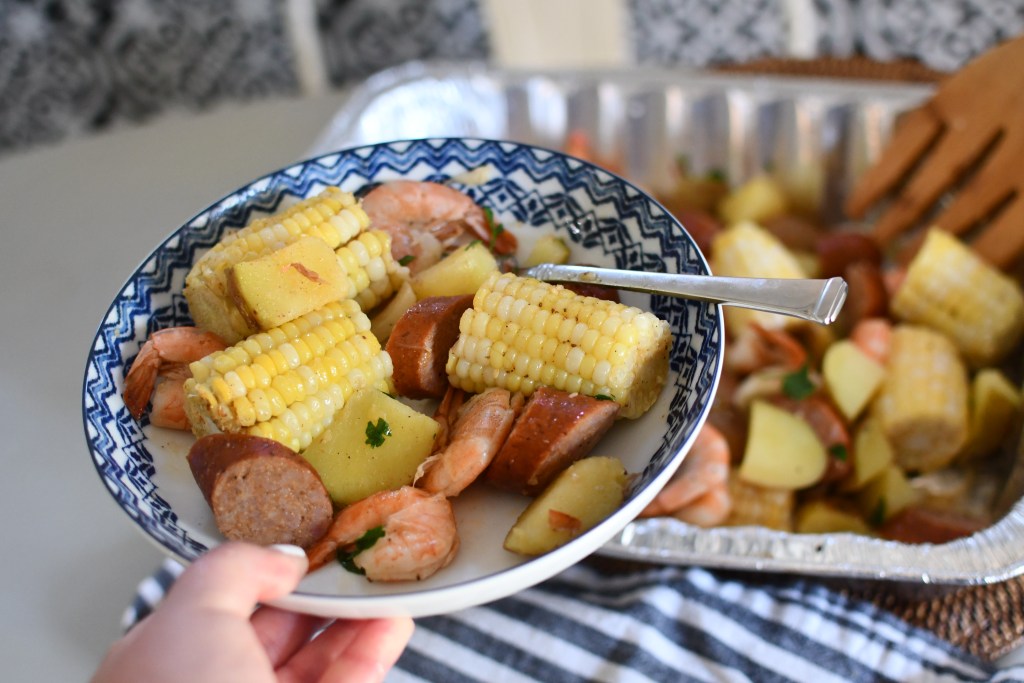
[(800, 128)]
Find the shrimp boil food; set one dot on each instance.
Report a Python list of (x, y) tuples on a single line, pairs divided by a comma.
[(900, 421), (316, 329)]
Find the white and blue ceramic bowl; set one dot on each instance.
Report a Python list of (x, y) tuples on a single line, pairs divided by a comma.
[(532, 191)]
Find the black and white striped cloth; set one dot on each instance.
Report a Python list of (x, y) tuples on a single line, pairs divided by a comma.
[(666, 624)]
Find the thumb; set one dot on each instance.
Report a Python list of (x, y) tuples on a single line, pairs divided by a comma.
[(235, 577)]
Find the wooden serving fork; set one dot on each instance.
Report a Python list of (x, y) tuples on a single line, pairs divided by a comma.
[(968, 138)]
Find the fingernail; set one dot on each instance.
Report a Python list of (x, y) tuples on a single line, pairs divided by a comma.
[(292, 551), (289, 549)]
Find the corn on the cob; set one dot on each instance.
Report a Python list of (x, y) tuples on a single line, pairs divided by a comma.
[(287, 383), (333, 215), (950, 288), (748, 250), (522, 333), (754, 505), (922, 405), (374, 275)]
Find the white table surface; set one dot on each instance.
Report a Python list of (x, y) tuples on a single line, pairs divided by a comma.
[(77, 218)]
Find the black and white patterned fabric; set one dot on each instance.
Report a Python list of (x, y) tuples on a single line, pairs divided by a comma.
[(705, 32), (361, 37), (835, 30), (69, 67), (668, 624), (943, 34), (79, 66)]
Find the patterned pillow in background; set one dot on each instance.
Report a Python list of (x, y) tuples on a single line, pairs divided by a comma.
[(942, 34), (702, 33), (69, 67), (362, 37)]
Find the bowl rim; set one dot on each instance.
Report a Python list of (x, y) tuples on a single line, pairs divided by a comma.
[(415, 602)]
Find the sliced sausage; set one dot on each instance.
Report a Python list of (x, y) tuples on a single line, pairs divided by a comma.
[(867, 296), (923, 525), (554, 430), (795, 231), (837, 250), (702, 226), (420, 342), (260, 490)]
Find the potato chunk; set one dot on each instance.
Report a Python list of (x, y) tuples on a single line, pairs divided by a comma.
[(548, 249), (822, 517), (298, 278), (851, 376), (887, 494), (384, 321), (872, 453), (582, 496), (461, 272), (995, 410), (374, 443), (782, 450), (757, 200)]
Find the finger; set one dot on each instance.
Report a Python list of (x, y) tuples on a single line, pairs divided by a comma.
[(283, 633), (235, 577), (350, 651)]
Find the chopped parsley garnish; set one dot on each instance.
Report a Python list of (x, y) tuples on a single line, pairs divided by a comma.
[(797, 384), (604, 397), (838, 451), (406, 260), (493, 227), (347, 557), (375, 433), (717, 175)]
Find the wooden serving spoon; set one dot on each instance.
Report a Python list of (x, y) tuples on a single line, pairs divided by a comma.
[(969, 138)]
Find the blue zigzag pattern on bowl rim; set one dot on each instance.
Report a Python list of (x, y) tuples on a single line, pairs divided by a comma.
[(536, 188)]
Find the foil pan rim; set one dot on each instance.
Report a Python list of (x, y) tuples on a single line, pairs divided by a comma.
[(992, 555)]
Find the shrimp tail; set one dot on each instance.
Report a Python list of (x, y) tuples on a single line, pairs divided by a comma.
[(166, 354), (138, 385), (445, 415), (711, 509)]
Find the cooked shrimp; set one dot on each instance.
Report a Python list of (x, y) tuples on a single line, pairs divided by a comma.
[(481, 427), (893, 278), (445, 414), (425, 218), (711, 509), (168, 399), (873, 336), (165, 356), (704, 469), (758, 347), (419, 536)]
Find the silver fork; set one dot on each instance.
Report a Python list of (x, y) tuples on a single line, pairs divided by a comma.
[(816, 300)]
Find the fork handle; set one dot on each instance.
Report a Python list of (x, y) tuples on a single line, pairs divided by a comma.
[(816, 300)]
